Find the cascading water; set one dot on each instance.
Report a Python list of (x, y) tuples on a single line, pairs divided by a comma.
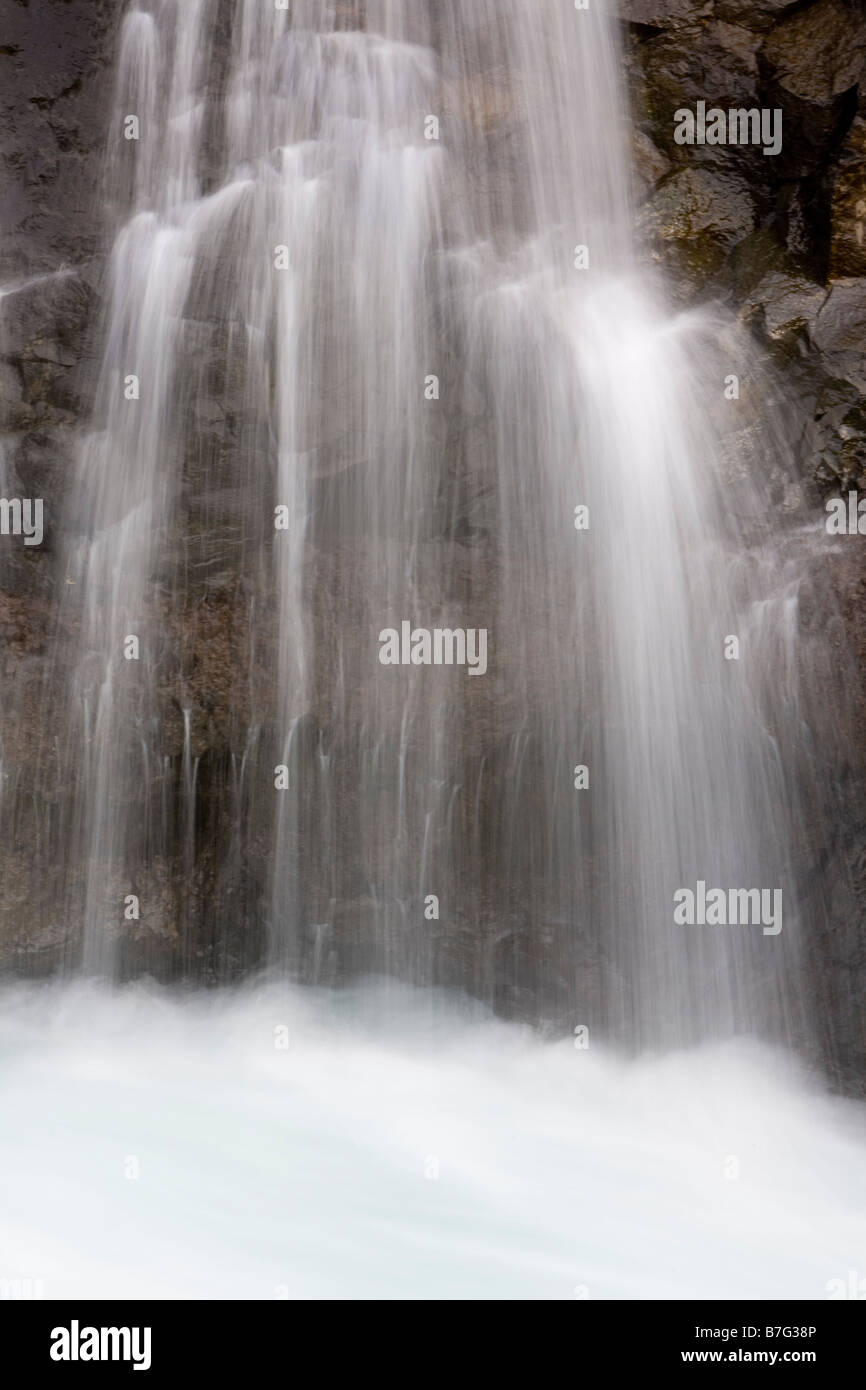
[(126, 486), (432, 352), (379, 349)]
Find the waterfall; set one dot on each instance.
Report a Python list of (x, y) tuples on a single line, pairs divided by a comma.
[(423, 768), (379, 349)]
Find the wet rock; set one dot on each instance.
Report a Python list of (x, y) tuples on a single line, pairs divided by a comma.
[(810, 66), (756, 256), (41, 464), (714, 63), (650, 164), (55, 76), (662, 14), (46, 318), (840, 326), (806, 233), (693, 220), (44, 348), (819, 52), (848, 205), (813, 333), (835, 443), (786, 306), (758, 15)]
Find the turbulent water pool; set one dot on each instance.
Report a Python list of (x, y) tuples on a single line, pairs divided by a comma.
[(273, 1143)]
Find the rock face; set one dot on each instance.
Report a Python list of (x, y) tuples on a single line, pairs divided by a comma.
[(55, 79), (55, 75), (56, 60), (780, 239)]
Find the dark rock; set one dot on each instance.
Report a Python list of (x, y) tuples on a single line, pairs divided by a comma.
[(848, 205), (840, 326), (650, 164), (693, 221), (757, 15), (714, 63), (663, 14), (811, 64), (787, 307), (55, 74)]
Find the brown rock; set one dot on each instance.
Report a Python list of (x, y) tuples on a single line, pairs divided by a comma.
[(848, 206)]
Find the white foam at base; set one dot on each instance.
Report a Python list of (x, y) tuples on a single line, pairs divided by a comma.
[(301, 1172)]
